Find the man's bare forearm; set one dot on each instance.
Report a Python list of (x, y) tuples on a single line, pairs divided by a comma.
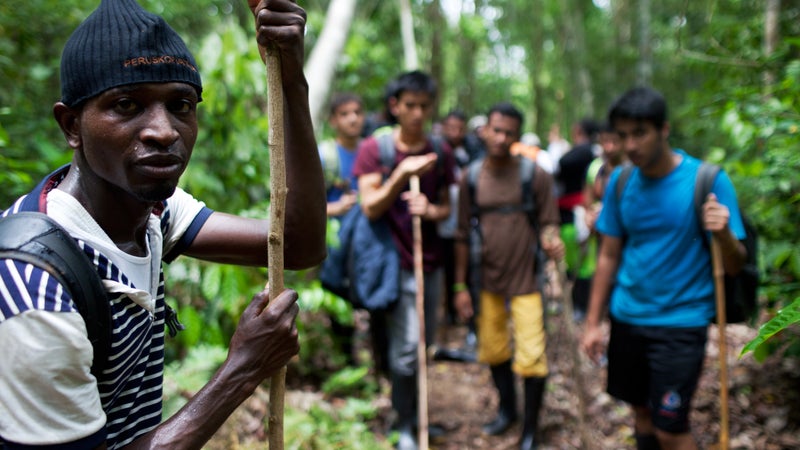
[(195, 423), (376, 200), (607, 266), (305, 203)]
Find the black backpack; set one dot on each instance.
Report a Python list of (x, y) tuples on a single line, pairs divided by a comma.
[(527, 169), (741, 290), (37, 239)]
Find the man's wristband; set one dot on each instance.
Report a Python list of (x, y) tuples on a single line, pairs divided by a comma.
[(459, 287)]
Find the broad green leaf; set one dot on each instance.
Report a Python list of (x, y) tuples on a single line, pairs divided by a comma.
[(785, 317)]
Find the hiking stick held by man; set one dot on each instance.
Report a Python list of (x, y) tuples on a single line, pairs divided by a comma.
[(653, 252), (277, 178)]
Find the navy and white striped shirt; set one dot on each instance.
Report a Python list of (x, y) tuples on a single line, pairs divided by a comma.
[(130, 387)]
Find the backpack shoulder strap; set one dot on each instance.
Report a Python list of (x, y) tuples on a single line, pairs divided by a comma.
[(37, 239), (706, 174), (622, 180), (386, 150), (619, 189), (330, 162), (527, 171), (436, 142), (473, 170)]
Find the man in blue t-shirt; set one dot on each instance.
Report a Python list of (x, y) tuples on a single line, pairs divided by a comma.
[(338, 155), (653, 253)]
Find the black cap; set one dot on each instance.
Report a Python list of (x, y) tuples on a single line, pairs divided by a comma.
[(118, 44)]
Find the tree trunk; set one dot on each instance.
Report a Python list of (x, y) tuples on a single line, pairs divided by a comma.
[(771, 35), (574, 15), (644, 67), (407, 31), (536, 69), (321, 65), (467, 50), (437, 70), (621, 22)]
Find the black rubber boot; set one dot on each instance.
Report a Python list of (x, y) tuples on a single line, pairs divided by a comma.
[(507, 408), (534, 394), (454, 354), (379, 340), (647, 442), (404, 402)]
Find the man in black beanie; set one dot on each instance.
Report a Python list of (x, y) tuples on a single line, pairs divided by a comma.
[(130, 90)]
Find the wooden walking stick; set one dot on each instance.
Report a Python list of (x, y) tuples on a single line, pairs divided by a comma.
[(278, 191), (422, 369), (577, 373), (719, 290)]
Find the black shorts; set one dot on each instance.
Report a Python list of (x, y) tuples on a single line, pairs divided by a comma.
[(657, 368)]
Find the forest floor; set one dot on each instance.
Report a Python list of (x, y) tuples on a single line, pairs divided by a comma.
[(764, 400)]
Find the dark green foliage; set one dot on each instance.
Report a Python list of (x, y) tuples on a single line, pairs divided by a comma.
[(708, 59)]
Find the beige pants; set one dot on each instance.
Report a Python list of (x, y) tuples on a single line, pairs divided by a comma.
[(494, 333)]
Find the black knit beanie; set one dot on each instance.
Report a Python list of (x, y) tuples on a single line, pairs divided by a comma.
[(118, 44)]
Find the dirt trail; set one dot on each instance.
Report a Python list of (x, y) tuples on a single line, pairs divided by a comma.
[(764, 406), (764, 400)]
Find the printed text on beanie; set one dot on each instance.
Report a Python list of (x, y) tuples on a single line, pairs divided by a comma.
[(119, 44)]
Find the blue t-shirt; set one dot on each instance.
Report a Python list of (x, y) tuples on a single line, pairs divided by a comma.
[(346, 160), (664, 277)]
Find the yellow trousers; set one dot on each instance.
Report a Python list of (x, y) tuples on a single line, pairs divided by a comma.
[(527, 324)]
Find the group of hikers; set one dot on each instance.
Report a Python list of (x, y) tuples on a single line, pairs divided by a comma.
[(489, 204), (495, 209)]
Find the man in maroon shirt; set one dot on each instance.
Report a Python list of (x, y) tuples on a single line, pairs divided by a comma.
[(385, 194)]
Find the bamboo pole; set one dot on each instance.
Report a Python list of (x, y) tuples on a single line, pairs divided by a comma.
[(719, 290), (422, 369), (278, 191)]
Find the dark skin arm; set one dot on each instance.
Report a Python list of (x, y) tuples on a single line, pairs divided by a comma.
[(229, 239), (264, 341), (608, 263)]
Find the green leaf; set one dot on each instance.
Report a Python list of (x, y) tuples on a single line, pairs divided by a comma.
[(783, 319), (211, 281), (345, 380), (193, 321)]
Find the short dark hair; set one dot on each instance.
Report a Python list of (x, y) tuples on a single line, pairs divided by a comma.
[(456, 114), (341, 98), (606, 127), (641, 104), (508, 110), (414, 81), (590, 127)]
